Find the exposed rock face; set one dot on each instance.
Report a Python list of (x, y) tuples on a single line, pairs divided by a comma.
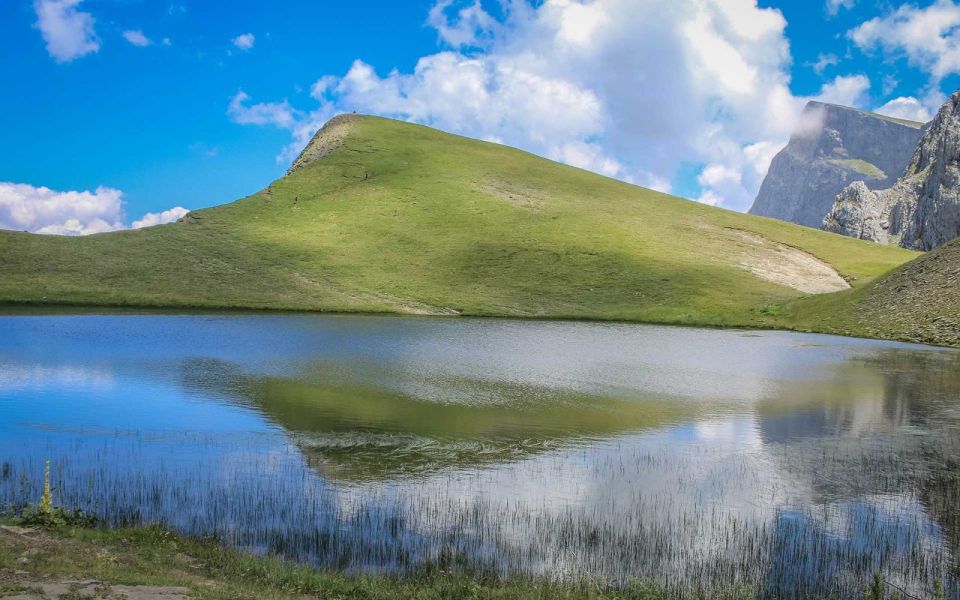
[(858, 212), (833, 147), (922, 209), (325, 141)]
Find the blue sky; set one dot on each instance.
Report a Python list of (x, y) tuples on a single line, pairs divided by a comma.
[(140, 106)]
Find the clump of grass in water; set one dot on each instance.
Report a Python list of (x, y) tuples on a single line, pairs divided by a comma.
[(878, 589), (48, 516)]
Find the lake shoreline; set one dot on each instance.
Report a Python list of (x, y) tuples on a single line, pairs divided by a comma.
[(29, 308)]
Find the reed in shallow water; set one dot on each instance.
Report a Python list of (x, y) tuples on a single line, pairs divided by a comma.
[(680, 516)]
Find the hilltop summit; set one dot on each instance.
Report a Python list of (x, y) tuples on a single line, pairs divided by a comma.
[(327, 139)]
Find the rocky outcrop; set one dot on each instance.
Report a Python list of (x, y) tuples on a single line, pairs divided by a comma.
[(325, 141), (858, 212), (922, 209), (833, 147)]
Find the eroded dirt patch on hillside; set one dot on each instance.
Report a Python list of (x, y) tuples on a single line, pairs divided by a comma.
[(786, 265), (519, 195)]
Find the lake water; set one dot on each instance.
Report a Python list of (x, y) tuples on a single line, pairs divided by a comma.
[(703, 460)]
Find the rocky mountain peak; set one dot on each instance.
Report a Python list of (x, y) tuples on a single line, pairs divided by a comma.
[(832, 147), (922, 209)]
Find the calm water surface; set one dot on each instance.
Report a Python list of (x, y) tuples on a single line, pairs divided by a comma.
[(785, 463)]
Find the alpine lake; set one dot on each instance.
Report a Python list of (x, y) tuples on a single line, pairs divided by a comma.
[(787, 464)]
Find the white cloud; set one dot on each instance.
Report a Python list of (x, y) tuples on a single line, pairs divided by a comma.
[(136, 37), (244, 41), (834, 6), (709, 197), (890, 83), (42, 210), (24, 207), (824, 61), (846, 90), (906, 107), (68, 32), (160, 218), (719, 182), (471, 26), (279, 114), (629, 89), (590, 157), (928, 37)]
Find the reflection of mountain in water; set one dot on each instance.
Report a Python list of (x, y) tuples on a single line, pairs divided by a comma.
[(360, 431), (892, 433)]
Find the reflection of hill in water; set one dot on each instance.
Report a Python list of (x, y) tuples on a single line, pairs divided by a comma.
[(358, 431), (823, 474), (881, 426), (879, 394)]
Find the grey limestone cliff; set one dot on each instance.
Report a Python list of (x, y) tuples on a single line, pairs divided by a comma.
[(858, 212), (922, 209), (833, 147)]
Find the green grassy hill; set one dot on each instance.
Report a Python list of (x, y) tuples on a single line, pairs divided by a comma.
[(381, 215)]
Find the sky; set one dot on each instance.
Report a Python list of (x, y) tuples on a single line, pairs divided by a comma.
[(129, 113)]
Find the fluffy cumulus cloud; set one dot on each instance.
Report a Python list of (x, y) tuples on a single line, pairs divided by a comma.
[(136, 37), (244, 41), (42, 210), (160, 218), (279, 114), (633, 90), (24, 207), (928, 37), (906, 107), (67, 31)]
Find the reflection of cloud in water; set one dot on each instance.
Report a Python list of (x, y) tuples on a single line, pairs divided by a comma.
[(605, 359), (688, 503), (15, 377), (684, 489)]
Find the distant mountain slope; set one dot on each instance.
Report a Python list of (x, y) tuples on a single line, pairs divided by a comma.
[(922, 209), (381, 215), (833, 147), (918, 302)]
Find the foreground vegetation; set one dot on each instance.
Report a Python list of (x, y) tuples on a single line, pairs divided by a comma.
[(153, 556), (101, 559), (394, 217)]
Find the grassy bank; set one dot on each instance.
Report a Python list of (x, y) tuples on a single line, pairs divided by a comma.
[(403, 218), (155, 557), (919, 302)]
